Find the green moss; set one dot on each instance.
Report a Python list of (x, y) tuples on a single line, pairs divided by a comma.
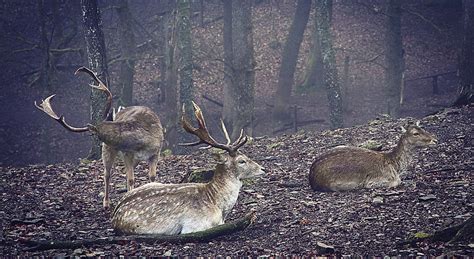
[(199, 176), (166, 152), (275, 145), (371, 144), (421, 235)]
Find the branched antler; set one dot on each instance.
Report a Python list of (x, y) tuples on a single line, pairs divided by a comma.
[(203, 133), (45, 106), (101, 86)]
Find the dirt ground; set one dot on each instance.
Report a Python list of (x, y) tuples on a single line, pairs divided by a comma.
[(63, 201)]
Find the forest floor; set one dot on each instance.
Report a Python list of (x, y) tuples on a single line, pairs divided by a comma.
[(63, 201)]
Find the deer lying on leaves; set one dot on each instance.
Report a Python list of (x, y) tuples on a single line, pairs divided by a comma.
[(171, 209), (136, 131), (348, 168)]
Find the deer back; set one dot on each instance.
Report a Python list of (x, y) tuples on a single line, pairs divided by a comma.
[(134, 128), (344, 168)]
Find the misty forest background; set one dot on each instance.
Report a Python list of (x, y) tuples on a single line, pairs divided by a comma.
[(268, 66)]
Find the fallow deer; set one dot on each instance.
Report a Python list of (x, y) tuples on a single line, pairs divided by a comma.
[(170, 209), (348, 168), (135, 131)]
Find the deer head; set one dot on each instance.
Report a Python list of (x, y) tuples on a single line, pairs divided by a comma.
[(234, 161), (415, 136)]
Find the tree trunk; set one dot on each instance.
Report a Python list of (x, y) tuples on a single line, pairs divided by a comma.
[(185, 68), (98, 63), (289, 58), (229, 101), (46, 70), (170, 84), (394, 58), (313, 77), (127, 48), (466, 60), (163, 47), (331, 80), (243, 67)]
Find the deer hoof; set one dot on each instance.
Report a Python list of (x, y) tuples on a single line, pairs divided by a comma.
[(106, 203)]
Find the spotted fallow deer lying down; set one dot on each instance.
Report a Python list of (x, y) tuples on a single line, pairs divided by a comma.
[(171, 209), (348, 168), (135, 131)]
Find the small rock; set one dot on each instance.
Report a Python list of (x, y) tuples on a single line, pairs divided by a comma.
[(78, 251), (377, 200), (429, 197), (324, 248)]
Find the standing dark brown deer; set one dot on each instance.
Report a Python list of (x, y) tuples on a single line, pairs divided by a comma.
[(170, 209), (136, 131), (347, 168)]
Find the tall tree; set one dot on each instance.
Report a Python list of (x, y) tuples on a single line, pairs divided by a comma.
[(127, 49), (185, 65), (393, 57), (229, 101), (331, 80), (313, 76), (288, 61), (97, 62), (243, 65), (466, 59)]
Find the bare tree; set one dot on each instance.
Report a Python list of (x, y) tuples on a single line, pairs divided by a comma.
[(466, 59), (97, 62), (229, 101), (288, 61), (239, 111), (331, 80), (185, 65), (127, 49), (313, 76), (393, 57)]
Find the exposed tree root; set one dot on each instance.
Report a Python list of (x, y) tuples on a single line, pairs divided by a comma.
[(463, 232)]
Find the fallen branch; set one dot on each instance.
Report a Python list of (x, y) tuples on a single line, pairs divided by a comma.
[(207, 97), (290, 125), (201, 236)]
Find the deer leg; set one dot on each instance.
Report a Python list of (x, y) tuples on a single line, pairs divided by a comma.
[(130, 164), (153, 162), (108, 158)]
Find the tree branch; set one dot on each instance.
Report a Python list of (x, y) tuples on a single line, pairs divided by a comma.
[(200, 236)]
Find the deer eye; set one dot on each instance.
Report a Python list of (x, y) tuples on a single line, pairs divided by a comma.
[(242, 162), (416, 133)]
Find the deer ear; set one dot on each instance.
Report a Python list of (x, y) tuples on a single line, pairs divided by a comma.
[(403, 129)]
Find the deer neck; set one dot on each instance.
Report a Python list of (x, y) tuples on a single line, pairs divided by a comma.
[(223, 189), (401, 154)]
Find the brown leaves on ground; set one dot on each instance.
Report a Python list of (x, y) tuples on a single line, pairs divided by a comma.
[(63, 201)]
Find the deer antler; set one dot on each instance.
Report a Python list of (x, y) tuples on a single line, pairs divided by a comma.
[(203, 133), (45, 106), (101, 86)]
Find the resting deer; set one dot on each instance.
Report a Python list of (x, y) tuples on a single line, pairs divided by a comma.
[(348, 168), (170, 209), (135, 131)]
